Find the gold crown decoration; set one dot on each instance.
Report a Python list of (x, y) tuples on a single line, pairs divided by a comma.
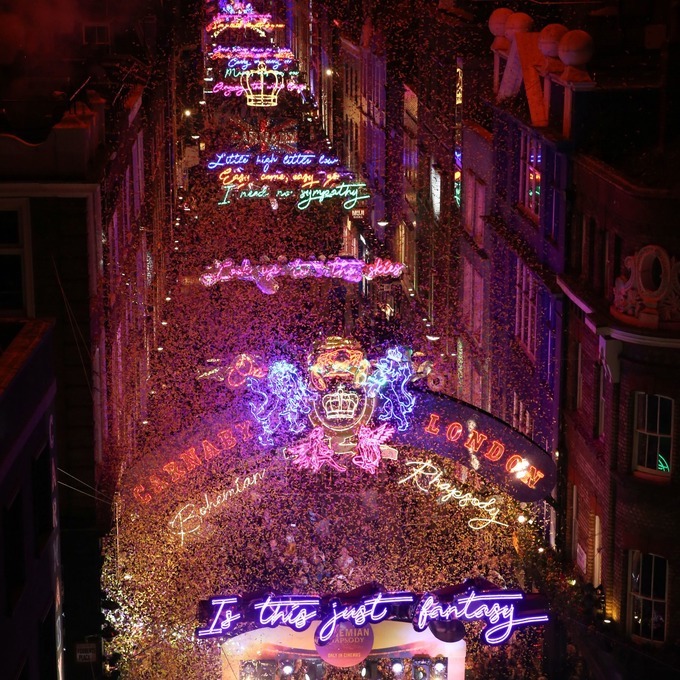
[(262, 85), (340, 405), (341, 358)]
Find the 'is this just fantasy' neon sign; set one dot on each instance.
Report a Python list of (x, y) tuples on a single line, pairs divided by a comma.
[(503, 611)]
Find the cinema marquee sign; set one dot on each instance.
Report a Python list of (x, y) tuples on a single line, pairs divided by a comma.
[(503, 611)]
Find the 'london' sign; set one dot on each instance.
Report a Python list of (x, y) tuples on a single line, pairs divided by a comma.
[(503, 611)]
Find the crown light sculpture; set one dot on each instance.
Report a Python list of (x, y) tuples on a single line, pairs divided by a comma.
[(262, 86)]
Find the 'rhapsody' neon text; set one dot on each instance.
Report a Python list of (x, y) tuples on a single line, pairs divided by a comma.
[(426, 477)]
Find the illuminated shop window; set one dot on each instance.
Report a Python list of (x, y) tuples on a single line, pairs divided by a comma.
[(526, 286), (647, 596), (530, 174), (653, 433)]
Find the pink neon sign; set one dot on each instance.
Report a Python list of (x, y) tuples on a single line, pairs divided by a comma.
[(263, 275)]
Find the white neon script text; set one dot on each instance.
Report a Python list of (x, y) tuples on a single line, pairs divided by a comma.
[(427, 477), (495, 607)]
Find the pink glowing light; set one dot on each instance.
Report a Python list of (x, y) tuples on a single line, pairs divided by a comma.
[(369, 441), (263, 275), (313, 452)]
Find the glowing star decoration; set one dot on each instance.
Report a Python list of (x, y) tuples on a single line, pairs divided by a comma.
[(285, 401), (389, 379), (262, 86), (502, 611), (264, 275)]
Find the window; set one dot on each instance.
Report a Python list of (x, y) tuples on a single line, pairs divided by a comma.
[(474, 207), (551, 348), (653, 433), (473, 300), (522, 420), (15, 273), (530, 174), (41, 479), (647, 596), (601, 401), (579, 375), (96, 34), (525, 312), (458, 175), (13, 555)]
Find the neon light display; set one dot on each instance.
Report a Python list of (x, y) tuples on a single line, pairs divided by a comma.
[(235, 374), (351, 192), (457, 430), (502, 611), (271, 159), (262, 86), (191, 459), (252, 54), (388, 381), (285, 400), (426, 477), (264, 275), (189, 518), (260, 23)]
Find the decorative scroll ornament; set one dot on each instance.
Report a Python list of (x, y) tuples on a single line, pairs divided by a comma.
[(262, 85), (650, 295)]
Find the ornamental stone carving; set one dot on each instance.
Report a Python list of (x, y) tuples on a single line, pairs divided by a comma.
[(647, 294)]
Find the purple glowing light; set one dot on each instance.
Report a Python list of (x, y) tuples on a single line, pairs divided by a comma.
[(495, 607), (286, 401), (503, 611), (370, 610), (388, 381)]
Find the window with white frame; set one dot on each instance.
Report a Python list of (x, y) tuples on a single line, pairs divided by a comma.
[(551, 349), (530, 173), (15, 259), (653, 437), (473, 300), (522, 420), (647, 596), (474, 207), (526, 286)]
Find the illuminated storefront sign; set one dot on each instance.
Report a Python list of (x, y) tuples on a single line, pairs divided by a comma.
[(502, 611), (264, 275)]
